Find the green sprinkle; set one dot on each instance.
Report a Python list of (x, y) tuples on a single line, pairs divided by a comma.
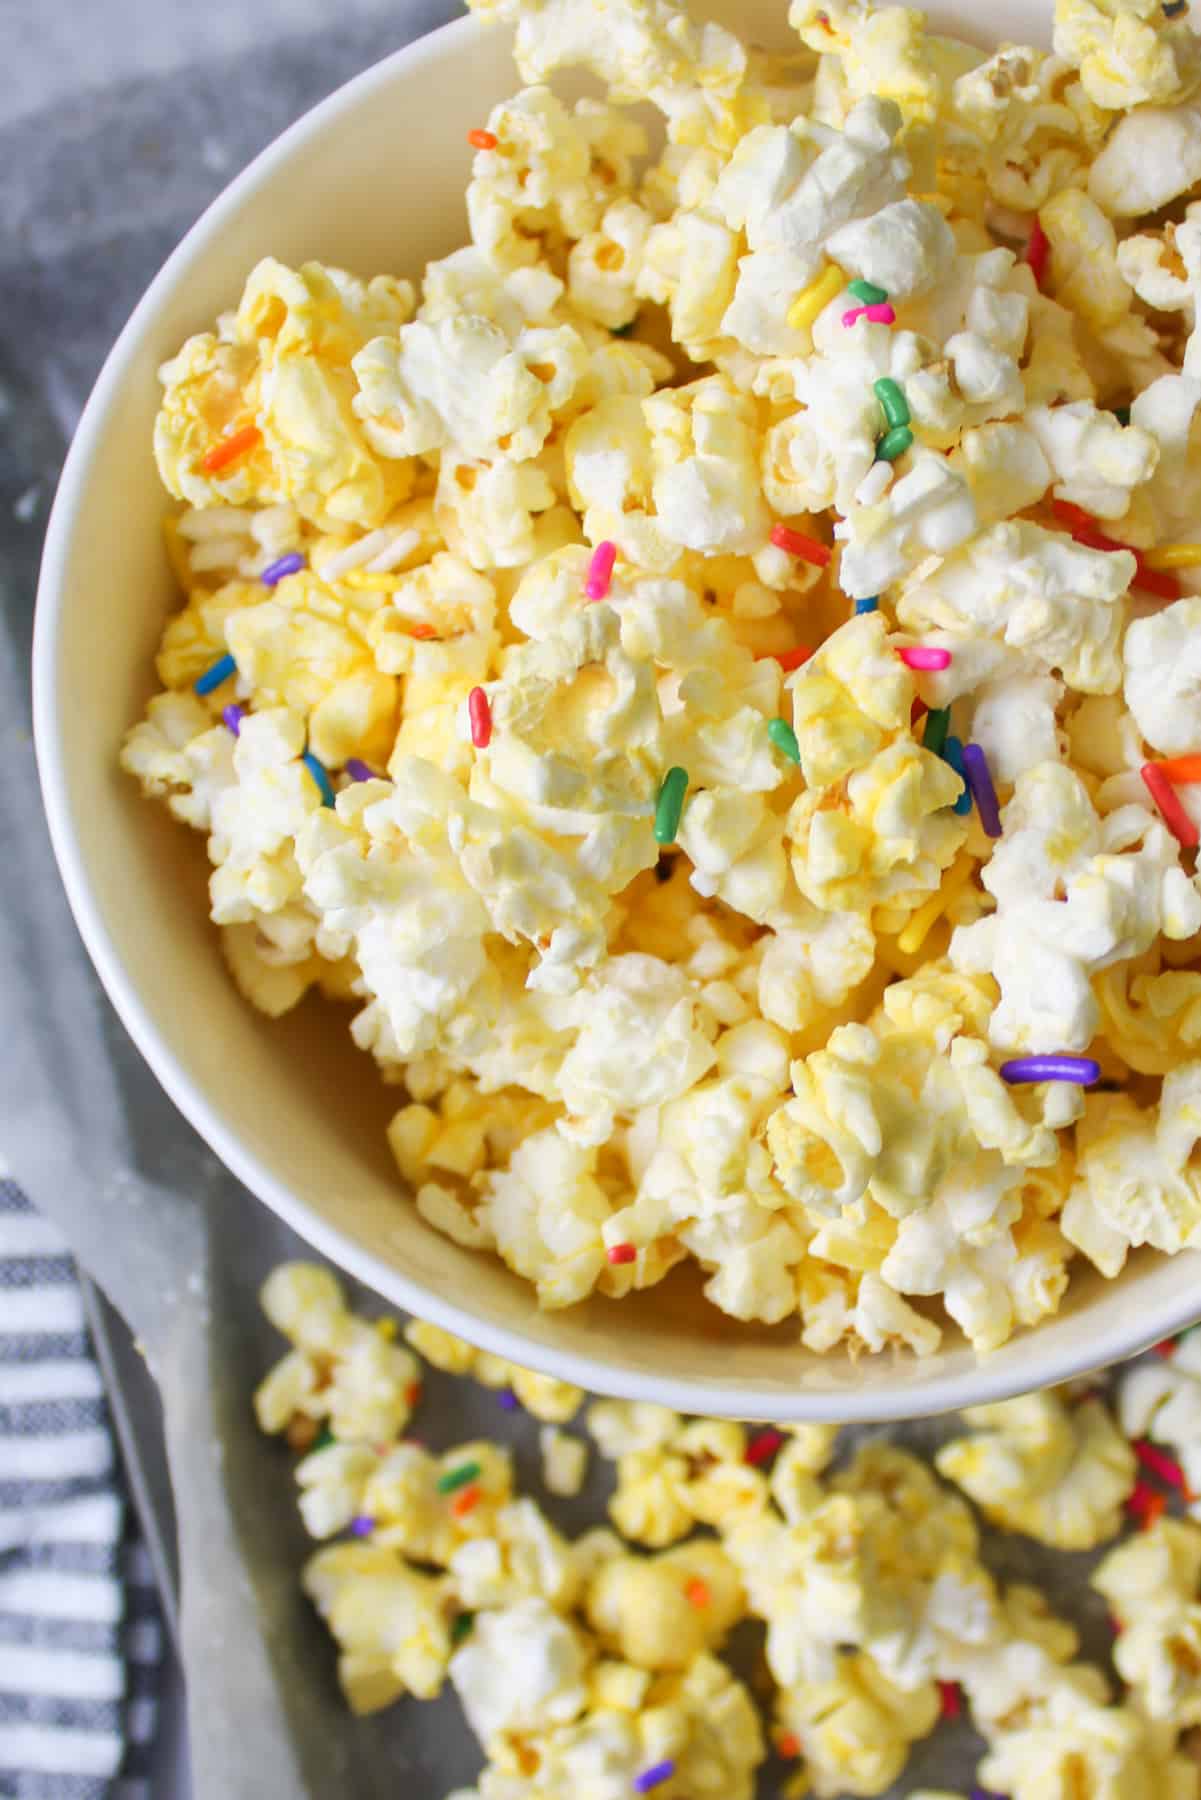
[(670, 805), (784, 738), (952, 752), (868, 292), (1122, 414), (894, 443), (624, 330), (893, 403), (460, 1626), (457, 1478), (938, 723), (324, 1439)]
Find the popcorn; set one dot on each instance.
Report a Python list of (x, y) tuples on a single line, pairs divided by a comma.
[(660, 1612), (767, 1048), (1162, 1400), (564, 1460), (1060, 1476), (1151, 1583), (522, 1670), (389, 1622), (857, 1727)]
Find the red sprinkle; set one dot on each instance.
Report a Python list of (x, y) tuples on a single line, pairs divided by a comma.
[(797, 544), (1038, 250), (1145, 1504), (621, 1253), (229, 449), (788, 659), (763, 1446), (788, 1746), (1159, 1463), (479, 714), (1086, 531), (1115, 1625), (952, 1704), (1165, 1347), (413, 1394), (915, 712), (467, 1501), (1170, 808), (479, 139)]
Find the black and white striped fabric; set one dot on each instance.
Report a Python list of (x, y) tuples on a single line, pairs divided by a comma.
[(80, 1632)]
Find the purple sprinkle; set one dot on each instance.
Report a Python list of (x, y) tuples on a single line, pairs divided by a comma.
[(1081, 1069), (291, 564), (652, 1777), (979, 779), (979, 1793), (233, 716), (362, 1526), (508, 1399), (359, 771)]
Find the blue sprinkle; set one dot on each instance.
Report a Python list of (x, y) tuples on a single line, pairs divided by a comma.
[(509, 1400), (222, 669), (869, 605), (291, 564), (952, 752), (324, 785)]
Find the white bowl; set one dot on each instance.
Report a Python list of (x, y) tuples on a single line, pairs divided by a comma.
[(373, 179)]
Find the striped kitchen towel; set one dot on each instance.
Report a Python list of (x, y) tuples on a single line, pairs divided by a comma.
[(80, 1635)]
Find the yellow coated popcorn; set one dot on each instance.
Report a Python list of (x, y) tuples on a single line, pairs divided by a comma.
[(577, 656)]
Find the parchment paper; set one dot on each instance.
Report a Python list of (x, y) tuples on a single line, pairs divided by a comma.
[(101, 191)]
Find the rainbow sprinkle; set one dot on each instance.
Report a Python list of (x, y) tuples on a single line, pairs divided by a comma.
[(868, 292), (979, 779), (951, 1700), (871, 604), (1038, 250), (1174, 556), (479, 716), (461, 1626), (325, 786), (1080, 1069), (670, 805), (814, 299), (359, 771), (797, 544), (655, 1776), (458, 1478), (925, 657), (784, 738), (220, 671), (763, 1447), (231, 718), (230, 449), (934, 732), (621, 1253), (952, 753), (875, 315), (1160, 1464), (467, 1501), (893, 403), (362, 1526), (697, 1594), (1170, 809), (479, 139), (508, 1399), (291, 564), (600, 570), (894, 443)]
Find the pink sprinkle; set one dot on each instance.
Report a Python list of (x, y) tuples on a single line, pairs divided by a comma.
[(621, 1253), (600, 571), (879, 314), (1160, 1463), (479, 715), (925, 656), (763, 1446)]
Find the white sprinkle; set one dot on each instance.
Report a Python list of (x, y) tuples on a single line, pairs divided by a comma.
[(397, 550), (355, 555), (875, 484)]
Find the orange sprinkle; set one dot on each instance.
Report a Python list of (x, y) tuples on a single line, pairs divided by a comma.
[(1154, 1509), (479, 139), (229, 449), (697, 1594), (467, 1501), (1171, 811), (796, 543), (413, 1393), (422, 630), (787, 659), (1181, 769), (788, 1745)]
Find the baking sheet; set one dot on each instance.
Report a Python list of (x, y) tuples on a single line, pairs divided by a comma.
[(99, 187)]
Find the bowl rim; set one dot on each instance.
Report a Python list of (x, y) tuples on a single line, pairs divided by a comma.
[(876, 1400)]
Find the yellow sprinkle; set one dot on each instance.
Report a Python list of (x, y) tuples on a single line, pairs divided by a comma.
[(387, 1329), (372, 584), (914, 934), (816, 297), (1174, 556)]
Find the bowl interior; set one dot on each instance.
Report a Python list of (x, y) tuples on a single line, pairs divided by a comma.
[(374, 180)]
